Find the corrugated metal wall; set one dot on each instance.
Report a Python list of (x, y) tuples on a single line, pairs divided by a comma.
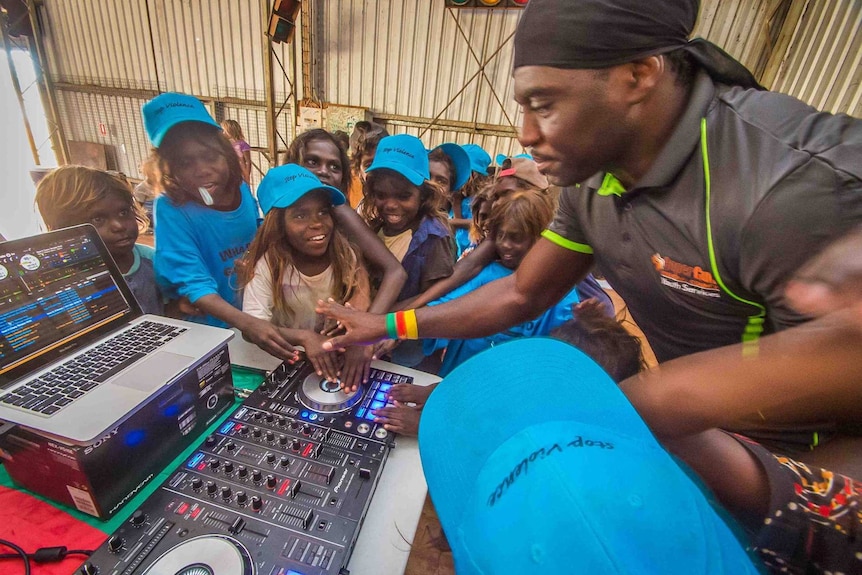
[(823, 65), (107, 58), (411, 63)]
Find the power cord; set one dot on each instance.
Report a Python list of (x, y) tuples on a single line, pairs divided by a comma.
[(41, 555)]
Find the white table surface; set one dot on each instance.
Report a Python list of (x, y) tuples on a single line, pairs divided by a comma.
[(384, 540)]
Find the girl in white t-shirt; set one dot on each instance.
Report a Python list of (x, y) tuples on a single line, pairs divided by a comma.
[(298, 257)]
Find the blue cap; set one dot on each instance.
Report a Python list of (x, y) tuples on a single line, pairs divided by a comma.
[(500, 158), (479, 158), (281, 187), (537, 463), (404, 154), (461, 162), (169, 109)]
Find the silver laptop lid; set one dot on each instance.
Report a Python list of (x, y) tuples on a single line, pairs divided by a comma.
[(59, 291)]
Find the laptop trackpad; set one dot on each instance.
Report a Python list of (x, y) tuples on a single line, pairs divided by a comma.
[(153, 371)]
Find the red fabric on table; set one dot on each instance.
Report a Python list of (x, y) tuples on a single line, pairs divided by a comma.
[(30, 524)]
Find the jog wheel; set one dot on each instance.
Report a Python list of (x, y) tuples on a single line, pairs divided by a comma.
[(319, 394), (205, 555)]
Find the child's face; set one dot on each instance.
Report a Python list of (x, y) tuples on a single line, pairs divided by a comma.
[(482, 217), (512, 245), (440, 175), (397, 202), (199, 166), (322, 159), (308, 224), (114, 219), (366, 161)]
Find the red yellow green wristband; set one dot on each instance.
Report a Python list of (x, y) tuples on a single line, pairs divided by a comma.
[(402, 325), (391, 329)]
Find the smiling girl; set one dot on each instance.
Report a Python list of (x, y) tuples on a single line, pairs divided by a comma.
[(205, 219), (299, 256), (404, 207)]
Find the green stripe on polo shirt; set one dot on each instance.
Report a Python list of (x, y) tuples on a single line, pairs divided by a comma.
[(611, 186), (566, 243)]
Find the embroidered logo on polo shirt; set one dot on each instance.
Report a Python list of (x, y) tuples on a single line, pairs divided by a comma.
[(689, 279)]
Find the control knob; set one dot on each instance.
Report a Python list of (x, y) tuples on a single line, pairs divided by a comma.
[(209, 442), (270, 436), (270, 481), (230, 446), (241, 497), (284, 461), (214, 464), (211, 488), (139, 517), (270, 418), (242, 471), (115, 544), (226, 492), (294, 444), (281, 420), (228, 467), (256, 502), (256, 476), (306, 429), (197, 483), (89, 569), (243, 430), (282, 440), (270, 457), (256, 432)]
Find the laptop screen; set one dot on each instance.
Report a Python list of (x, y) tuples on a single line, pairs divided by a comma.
[(59, 291)]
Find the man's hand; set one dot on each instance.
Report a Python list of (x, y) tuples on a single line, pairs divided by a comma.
[(832, 280), (360, 327)]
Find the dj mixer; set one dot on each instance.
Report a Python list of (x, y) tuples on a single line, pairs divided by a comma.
[(281, 488)]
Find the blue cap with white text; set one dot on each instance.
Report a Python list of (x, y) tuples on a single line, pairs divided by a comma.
[(169, 109), (282, 186), (404, 154), (537, 463)]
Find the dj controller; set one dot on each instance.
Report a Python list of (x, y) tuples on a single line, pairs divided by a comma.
[(281, 488)]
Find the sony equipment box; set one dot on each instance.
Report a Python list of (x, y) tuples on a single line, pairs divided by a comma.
[(101, 477)]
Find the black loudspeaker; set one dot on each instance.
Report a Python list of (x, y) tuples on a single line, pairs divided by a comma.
[(282, 20)]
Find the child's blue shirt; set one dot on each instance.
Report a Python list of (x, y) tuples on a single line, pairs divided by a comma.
[(462, 235), (460, 350), (196, 248)]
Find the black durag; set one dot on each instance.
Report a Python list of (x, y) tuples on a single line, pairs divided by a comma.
[(592, 34)]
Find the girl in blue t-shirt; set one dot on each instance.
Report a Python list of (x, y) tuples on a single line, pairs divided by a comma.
[(205, 219)]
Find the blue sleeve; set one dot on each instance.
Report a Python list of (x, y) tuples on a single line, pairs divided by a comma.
[(553, 317), (179, 264), (487, 275), (590, 288)]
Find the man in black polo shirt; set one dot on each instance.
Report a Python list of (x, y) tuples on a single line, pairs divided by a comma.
[(697, 192)]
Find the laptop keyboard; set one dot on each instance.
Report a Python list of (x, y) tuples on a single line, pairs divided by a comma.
[(54, 390)]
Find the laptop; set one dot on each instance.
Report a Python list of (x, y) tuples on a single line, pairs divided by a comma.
[(77, 354)]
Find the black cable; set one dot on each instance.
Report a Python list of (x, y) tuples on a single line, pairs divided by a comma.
[(41, 555), (20, 552)]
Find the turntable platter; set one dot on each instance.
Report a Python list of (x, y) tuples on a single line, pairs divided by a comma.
[(205, 555), (319, 394)]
